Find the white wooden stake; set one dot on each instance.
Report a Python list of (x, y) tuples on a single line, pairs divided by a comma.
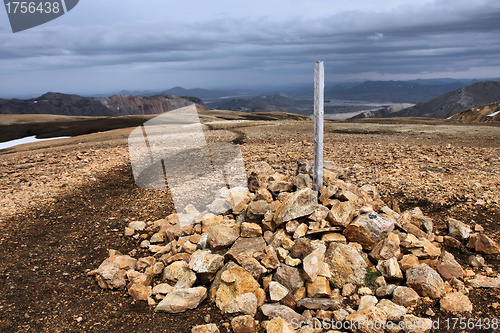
[(319, 88)]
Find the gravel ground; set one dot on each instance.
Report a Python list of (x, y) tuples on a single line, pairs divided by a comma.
[(64, 204)]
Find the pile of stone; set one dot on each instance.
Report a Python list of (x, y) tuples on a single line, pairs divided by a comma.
[(301, 258)]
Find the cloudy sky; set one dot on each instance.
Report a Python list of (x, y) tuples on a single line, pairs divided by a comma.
[(107, 45)]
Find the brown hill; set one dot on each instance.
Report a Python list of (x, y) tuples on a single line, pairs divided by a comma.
[(482, 114), (449, 104), (75, 105)]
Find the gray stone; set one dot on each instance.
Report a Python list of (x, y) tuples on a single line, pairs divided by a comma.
[(483, 244), (457, 229), (277, 310), (448, 267), (369, 320), (425, 281), (318, 304), (245, 304), (480, 281), (203, 261), (298, 204), (390, 269), (346, 265), (386, 248), (290, 277), (208, 328), (368, 229), (181, 300), (394, 312), (367, 301), (341, 213), (243, 324), (405, 296), (221, 236), (455, 302), (313, 263), (277, 291)]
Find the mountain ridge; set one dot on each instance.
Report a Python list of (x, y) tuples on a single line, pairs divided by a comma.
[(453, 102), (486, 113), (116, 105)]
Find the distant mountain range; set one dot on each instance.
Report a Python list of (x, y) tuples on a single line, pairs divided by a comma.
[(392, 91), (116, 105), (268, 103), (414, 91)]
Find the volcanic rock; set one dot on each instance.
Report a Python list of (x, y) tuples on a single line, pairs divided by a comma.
[(221, 236), (455, 302), (290, 277), (243, 324), (346, 265), (235, 281), (483, 244), (181, 300), (368, 229), (425, 281), (297, 204), (245, 304), (405, 296), (394, 312)]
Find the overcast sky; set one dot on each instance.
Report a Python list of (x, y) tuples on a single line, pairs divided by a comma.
[(109, 45)]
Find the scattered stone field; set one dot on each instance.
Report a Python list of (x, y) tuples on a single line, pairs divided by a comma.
[(67, 207)]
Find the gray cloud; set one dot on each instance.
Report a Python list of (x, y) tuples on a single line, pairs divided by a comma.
[(435, 37)]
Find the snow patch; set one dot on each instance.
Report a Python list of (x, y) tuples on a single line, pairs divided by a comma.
[(28, 139), (493, 114)]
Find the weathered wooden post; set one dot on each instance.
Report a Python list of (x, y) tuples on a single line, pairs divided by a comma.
[(319, 87)]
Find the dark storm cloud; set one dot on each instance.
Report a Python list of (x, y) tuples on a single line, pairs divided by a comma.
[(434, 37)]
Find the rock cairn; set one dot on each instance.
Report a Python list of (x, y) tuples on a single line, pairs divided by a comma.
[(301, 258)]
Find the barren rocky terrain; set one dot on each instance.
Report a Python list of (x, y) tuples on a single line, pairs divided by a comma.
[(65, 203)]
